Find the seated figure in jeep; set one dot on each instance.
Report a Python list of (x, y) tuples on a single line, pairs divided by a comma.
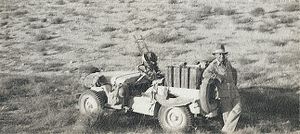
[(149, 71)]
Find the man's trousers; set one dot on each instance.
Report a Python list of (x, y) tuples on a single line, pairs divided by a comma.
[(231, 109)]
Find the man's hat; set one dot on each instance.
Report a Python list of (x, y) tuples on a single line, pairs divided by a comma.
[(220, 49)]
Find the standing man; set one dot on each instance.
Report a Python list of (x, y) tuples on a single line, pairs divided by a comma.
[(221, 70)]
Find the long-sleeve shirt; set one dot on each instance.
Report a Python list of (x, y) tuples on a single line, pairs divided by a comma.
[(226, 75)]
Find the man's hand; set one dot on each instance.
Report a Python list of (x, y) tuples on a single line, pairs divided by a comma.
[(218, 77)]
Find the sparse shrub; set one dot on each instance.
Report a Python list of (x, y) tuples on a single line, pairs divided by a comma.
[(131, 1), (292, 7), (267, 27), (131, 17), (257, 11), (3, 23), (42, 36), (134, 54), (87, 69), (287, 19), (191, 39), (280, 43), (60, 2), (73, 1), (36, 26), (188, 40), (245, 28), (41, 67), (57, 20), (177, 53), (221, 11), (244, 20), (246, 61), (19, 13), (31, 19), (250, 76), (162, 36), (108, 29), (7, 35), (206, 10), (172, 1), (203, 12), (44, 20), (107, 45), (229, 12), (273, 16), (210, 25), (86, 2), (5, 16)]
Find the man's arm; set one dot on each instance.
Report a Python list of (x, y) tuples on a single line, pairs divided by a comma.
[(234, 73), (210, 72)]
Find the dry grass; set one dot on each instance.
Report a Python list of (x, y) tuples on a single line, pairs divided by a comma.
[(47, 107), (292, 7), (262, 104), (263, 44), (53, 67)]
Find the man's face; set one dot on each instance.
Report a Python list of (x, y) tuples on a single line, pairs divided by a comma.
[(221, 57)]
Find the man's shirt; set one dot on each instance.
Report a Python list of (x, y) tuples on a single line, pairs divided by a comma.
[(224, 72)]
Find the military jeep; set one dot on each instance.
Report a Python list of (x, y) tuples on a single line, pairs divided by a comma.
[(175, 98)]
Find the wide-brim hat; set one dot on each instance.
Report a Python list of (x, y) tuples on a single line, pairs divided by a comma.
[(220, 49)]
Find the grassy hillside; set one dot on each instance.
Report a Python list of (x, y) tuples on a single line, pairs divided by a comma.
[(45, 43)]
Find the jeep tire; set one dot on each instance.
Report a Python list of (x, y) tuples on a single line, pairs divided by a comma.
[(175, 119), (91, 104)]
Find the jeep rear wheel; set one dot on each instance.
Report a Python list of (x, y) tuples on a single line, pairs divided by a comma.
[(92, 104), (175, 119)]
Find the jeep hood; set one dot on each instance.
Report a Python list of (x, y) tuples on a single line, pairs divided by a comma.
[(119, 77)]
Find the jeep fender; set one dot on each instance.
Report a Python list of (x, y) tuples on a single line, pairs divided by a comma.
[(172, 102)]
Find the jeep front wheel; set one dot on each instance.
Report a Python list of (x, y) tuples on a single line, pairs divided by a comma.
[(92, 103), (175, 119)]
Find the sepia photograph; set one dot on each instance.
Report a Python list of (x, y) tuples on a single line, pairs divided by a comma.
[(150, 66)]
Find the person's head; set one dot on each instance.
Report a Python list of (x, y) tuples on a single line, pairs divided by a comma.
[(220, 53), (150, 59)]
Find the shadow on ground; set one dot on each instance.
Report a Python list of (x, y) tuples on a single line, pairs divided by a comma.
[(270, 109)]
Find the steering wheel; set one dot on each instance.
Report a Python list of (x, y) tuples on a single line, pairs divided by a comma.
[(144, 72)]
